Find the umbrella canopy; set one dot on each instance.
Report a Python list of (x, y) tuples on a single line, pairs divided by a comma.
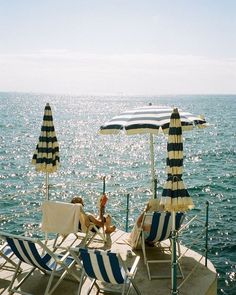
[(151, 120), (46, 156), (175, 197)]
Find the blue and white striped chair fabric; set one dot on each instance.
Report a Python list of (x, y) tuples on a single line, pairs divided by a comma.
[(6, 258), (159, 225), (106, 267), (36, 254)]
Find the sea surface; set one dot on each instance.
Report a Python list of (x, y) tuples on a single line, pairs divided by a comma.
[(86, 156)]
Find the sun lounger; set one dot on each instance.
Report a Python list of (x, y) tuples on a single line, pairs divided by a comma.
[(105, 268), (37, 255), (155, 228)]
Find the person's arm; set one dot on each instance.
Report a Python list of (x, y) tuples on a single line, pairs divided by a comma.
[(140, 218), (85, 217), (103, 201)]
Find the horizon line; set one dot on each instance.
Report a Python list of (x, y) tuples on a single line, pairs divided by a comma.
[(115, 94)]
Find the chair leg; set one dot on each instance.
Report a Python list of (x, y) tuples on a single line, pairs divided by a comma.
[(49, 284), (135, 287), (124, 287), (179, 250), (143, 248), (82, 280), (91, 287), (67, 270), (12, 289), (14, 277), (180, 269)]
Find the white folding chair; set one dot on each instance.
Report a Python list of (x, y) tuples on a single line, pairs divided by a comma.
[(105, 268), (155, 228), (36, 254)]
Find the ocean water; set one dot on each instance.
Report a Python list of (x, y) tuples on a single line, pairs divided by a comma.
[(86, 156)]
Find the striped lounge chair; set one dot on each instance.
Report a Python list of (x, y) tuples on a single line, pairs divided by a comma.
[(106, 270), (37, 255), (155, 228)]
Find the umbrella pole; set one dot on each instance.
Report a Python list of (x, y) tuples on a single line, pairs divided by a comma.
[(173, 258), (47, 188), (47, 198), (152, 165)]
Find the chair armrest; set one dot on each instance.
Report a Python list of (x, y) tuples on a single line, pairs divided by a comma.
[(74, 252), (187, 224), (134, 265)]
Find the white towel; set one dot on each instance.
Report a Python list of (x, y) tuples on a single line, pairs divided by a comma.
[(61, 218)]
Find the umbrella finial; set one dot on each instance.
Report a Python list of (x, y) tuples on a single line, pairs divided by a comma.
[(175, 110)]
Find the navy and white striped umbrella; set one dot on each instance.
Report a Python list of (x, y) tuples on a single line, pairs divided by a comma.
[(46, 156), (151, 120), (175, 197)]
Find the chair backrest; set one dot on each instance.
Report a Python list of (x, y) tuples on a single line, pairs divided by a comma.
[(161, 225), (61, 217), (104, 266), (154, 205), (27, 251)]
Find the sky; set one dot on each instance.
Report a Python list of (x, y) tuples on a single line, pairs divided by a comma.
[(148, 47)]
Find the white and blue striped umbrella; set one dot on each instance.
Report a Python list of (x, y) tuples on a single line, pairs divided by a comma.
[(150, 120), (175, 196), (46, 156)]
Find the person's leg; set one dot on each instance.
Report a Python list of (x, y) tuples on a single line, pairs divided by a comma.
[(94, 220), (109, 228), (107, 220)]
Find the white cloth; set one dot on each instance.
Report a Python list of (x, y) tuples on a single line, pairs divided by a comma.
[(60, 217), (133, 239)]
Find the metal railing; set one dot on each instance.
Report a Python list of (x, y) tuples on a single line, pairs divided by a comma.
[(200, 239)]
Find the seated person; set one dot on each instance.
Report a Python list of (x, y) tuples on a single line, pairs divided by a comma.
[(109, 228), (152, 206)]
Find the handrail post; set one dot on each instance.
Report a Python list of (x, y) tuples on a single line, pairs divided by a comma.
[(155, 188), (206, 229), (104, 185), (174, 289), (127, 213)]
